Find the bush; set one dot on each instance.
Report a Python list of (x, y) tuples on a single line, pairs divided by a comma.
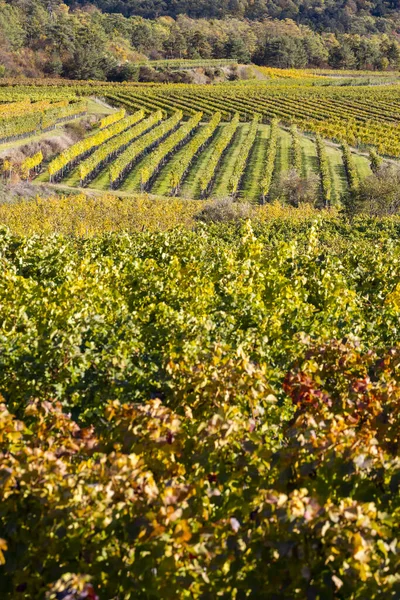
[(224, 211), (377, 195), (124, 72), (295, 190)]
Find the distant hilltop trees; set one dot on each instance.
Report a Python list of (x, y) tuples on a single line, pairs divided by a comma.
[(49, 38), (345, 16)]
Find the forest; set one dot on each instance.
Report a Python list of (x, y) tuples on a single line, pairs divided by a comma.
[(342, 16), (42, 38)]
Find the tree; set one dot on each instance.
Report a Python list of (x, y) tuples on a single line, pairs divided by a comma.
[(235, 48), (54, 66), (285, 53), (148, 37), (317, 53), (125, 72), (198, 45), (391, 51), (342, 57), (12, 33), (88, 59), (175, 46), (60, 33), (366, 52), (295, 190)]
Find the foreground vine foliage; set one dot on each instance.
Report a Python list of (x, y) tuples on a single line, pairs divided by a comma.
[(209, 412)]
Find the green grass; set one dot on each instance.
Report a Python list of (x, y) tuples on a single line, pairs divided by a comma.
[(191, 185), (251, 186), (102, 181), (225, 171), (72, 178), (43, 176), (310, 158), (96, 108), (338, 173), (285, 143), (132, 182), (162, 183), (362, 165), (282, 162)]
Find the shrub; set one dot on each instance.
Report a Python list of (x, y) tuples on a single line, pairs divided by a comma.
[(225, 210), (377, 195), (295, 190)]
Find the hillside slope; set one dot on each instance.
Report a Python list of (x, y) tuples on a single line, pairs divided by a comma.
[(48, 38), (330, 15)]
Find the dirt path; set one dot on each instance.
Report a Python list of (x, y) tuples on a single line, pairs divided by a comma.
[(103, 104)]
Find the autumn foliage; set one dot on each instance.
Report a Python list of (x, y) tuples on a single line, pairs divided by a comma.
[(218, 497), (148, 453)]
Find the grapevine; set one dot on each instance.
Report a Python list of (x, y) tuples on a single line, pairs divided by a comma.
[(215, 159), (113, 118), (157, 158), (89, 167), (241, 163), (31, 163), (271, 159), (201, 139), (375, 160), (326, 183), (124, 163), (351, 170), (66, 159), (295, 151)]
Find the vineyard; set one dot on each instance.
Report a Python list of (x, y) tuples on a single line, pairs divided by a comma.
[(186, 140), (23, 119), (199, 412), (198, 159), (199, 399), (186, 64)]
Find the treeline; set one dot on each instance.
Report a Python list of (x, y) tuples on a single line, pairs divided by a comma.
[(338, 16), (46, 37)]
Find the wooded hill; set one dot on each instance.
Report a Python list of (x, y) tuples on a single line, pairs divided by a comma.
[(344, 16), (85, 41)]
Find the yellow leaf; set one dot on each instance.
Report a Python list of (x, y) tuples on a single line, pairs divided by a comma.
[(3, 548)]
